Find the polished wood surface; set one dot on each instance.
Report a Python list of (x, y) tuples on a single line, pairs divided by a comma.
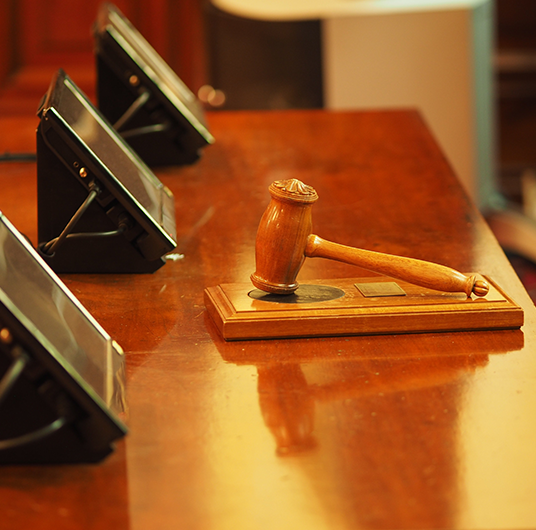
[(354, 306), (432, 430)]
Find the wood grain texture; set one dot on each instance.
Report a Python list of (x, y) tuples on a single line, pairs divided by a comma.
[(432, 430), (238, 315), (284, 240), (39, 36)]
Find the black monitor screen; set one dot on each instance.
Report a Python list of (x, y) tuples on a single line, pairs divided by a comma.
[(88, 125), (113, 23), (56, 319), (73, 119)]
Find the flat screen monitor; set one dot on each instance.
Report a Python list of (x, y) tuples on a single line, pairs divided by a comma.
[(129, 224), (61, 375), (143, 97)]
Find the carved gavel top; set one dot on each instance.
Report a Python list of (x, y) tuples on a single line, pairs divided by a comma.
[(284, 240)]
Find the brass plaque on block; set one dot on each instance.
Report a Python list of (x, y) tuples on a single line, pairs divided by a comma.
[(380, 289)]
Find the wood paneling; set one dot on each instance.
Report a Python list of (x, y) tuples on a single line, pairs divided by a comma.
[(7, 47), (49, 34)]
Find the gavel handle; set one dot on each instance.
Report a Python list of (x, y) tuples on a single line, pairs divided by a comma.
[(415, 271)]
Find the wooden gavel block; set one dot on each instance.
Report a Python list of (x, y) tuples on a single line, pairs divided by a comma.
[(427, 296)]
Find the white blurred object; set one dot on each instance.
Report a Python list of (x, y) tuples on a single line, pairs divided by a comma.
[(432, 55)]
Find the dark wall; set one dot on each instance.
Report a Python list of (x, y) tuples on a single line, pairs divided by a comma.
[(264, 64)]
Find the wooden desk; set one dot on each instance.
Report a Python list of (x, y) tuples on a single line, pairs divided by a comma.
[(414, 431)]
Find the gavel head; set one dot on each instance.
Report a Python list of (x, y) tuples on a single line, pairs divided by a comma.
[(282, 236)]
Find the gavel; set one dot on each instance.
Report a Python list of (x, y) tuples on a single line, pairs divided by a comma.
[(284, 240)]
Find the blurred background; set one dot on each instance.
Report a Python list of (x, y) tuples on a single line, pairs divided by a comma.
[(234, 61)]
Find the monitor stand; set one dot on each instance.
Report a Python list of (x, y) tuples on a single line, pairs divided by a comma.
[(59, 197), (39, 422), (142, 121)]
